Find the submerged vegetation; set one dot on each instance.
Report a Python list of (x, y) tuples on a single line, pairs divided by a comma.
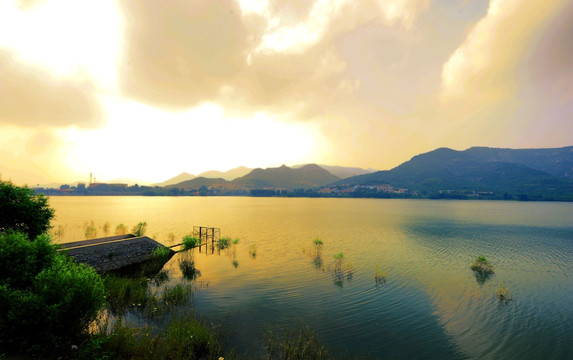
[(379, 276), (139, 229), (302, 345), (503, 293), (482, 266), (120, 229), (189, 242), (482, 269)]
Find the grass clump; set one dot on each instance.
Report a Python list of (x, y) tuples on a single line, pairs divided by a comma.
[(120, 229), (184, 338), (482, 266), (90, 230), (223, 243), (106, 227), (253, 251), (177, 294), (123, 293), (503, 293), (139, 229), (161, 253), (189, 242), (301, 345), (379, 276), (188, 269)]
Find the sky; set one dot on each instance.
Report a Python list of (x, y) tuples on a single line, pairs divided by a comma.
[(149, 89)]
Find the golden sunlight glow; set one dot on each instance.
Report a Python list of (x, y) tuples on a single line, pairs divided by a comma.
[(47, 35), (147, 143), (299, 38)]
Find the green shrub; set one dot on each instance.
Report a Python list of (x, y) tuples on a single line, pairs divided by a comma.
[(46, 299), (22, 210), (189, 242), (139, 229), (161, 253), (503, 293), (223, 243), (482, 266)]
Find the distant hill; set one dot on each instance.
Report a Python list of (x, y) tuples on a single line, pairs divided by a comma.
[(199, 182), (304, 177), (555, 161), (177, 179), (341, 171), (129, 181), (227, 175), (447, 169)]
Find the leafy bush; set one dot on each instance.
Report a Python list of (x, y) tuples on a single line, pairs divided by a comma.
[(189, 242), (139, 229), (22, 210), (46, 299), (223, 243), (503, 293), (482, 266), (161, 253)]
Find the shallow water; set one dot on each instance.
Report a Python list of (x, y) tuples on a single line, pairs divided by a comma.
[(430, 306)]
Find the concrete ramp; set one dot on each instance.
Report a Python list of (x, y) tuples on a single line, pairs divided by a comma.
[(112, 253)]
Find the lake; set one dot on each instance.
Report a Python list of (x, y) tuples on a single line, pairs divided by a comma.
[(430, 306)]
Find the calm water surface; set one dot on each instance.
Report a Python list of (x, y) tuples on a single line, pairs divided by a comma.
[(431, 305)]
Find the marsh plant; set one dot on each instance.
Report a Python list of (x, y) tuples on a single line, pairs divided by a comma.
[(189, 242), (503, 293), (106, 228), (161, 253), (302, 345), (379, 276), (120, 229), (223, 243), (90, 230), (482, 266), (139, 229), (177, 294), (187, 267), (253, 251), (341, 271), (59, 232), (482, 269)]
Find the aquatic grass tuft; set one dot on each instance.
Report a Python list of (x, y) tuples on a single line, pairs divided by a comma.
[(223, 243), (189, 242), (106, 227), (503, 293), (177, 294), (161, 253), (139, 229), (253, 251), (303, 344), (188, 269), (90, 230), (120, 229), (379, 276), (482, 266), (236, 241)]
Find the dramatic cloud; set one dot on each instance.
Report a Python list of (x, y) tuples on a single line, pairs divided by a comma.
[(369, 83), (32, 97)]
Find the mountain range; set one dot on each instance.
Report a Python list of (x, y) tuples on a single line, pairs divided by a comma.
[(304, 177), (535, 172)]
